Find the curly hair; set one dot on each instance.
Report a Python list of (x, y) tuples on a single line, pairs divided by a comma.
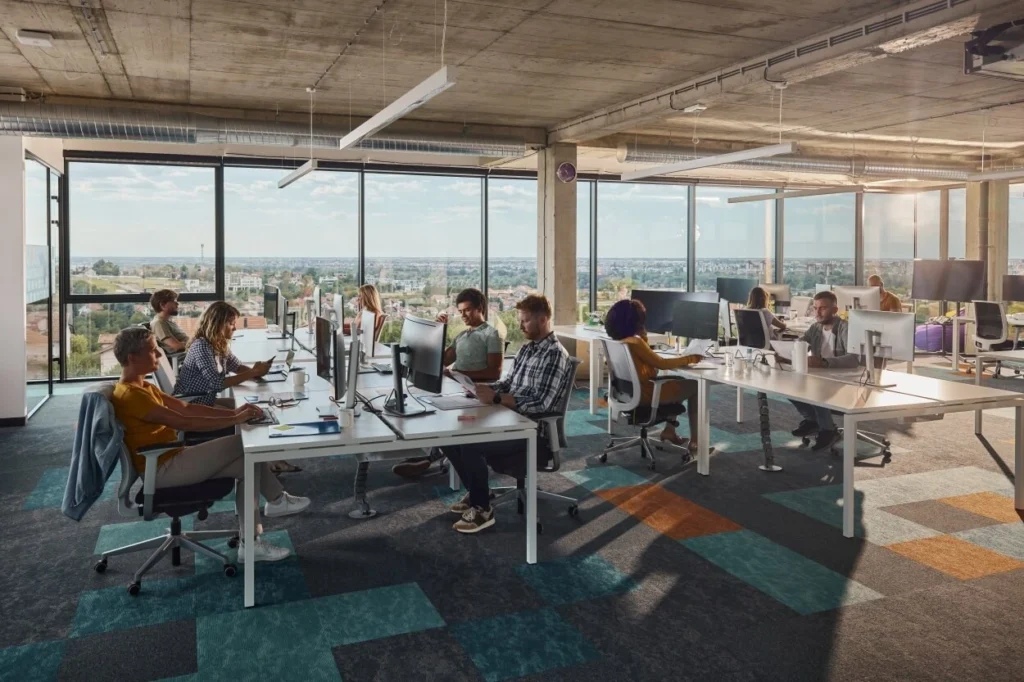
[(625, 319), (211, 326)]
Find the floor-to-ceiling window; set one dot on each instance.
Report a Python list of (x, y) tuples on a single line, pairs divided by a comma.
[(641, 239), (889, 240), (1015, 266), (422, 244), (38, 332), (584, 221), (134, 228), (957, 223), (733, 240), (819, 242), (511, 249), (296, 238)]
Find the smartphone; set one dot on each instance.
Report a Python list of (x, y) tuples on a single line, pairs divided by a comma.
[(252, 399)]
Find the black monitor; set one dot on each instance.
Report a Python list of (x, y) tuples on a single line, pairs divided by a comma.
[(419, 358), (658, 304), (324, 331), (271, 295), (700, 296), (929, 281), (1013, 288), (965, 281), (695, 319), (735, 289)]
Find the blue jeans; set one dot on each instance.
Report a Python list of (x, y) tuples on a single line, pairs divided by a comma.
[(821, 416)]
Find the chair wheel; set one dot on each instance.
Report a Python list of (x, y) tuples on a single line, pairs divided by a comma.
[(574, 511), (230, 570), (233, 542), (651, 465), (134, 589), (101, 566), (805, 441), (603, 458)]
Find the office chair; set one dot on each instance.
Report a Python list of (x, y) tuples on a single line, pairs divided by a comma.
[(991, 329), (551, 427), (752, 329), (624, 393), (175, 502)]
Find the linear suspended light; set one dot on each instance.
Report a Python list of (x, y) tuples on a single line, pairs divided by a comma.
[(796, 194), (720, 160), (300, 172), (1012, 174), (440, 81)]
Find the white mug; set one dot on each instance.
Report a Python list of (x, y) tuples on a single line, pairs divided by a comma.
[(299, 379)]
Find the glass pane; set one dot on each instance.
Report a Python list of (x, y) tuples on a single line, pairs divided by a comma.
[(511, 250), (733, 240), (295, 238), (583, 222), (422, 244), (641, 239), (1016, 227), (889, 240), (93, 327), (819, 242), (37, 282), (958, 223), (139, 228), (55, 292), (928, 225)]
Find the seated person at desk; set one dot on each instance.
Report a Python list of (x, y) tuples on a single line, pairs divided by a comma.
[(531, 388), (150, 416), (475, 352), (758, 300), (888, 301), (626, 321), (368, 300), (167, 333), (827, 341)]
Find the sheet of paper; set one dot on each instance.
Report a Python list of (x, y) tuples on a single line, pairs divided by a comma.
[(697, 347), (465, 382), (784, 349)]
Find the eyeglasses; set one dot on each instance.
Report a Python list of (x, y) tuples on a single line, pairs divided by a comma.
[(280, 402)]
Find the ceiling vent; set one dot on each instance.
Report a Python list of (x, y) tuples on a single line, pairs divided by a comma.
[(997, 52)]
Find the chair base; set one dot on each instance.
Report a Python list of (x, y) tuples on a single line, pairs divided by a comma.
[(870, 437), (508, 493), (646, 449), (172, 542)]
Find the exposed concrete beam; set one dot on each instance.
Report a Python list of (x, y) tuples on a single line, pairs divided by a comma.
[(909, 27)]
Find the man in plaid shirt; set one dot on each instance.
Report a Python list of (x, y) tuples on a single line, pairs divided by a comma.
[(532, 388)]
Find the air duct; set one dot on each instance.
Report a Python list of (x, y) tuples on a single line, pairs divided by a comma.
[(136, 125), (633, 153)]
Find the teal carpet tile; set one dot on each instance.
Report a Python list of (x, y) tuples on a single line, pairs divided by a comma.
[(603, 477), (371, 614), (112, 608), (31, 662), (793, 579), (520, 644), (49, 492), (1007, 538), (573, 579)]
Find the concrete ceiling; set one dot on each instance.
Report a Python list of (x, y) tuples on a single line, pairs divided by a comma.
[(527, 63)]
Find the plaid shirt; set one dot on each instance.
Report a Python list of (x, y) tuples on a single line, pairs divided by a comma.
[(537, 376), (203, 373)]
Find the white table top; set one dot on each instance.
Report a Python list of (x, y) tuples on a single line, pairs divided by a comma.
[(942, 391), (365, 430), (843, 397), (445, 423), (314, 384), (1004, 355), (579, 332)]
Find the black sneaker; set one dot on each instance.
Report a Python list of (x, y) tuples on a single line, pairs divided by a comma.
[(475, 520), (412, 468), (806, 428), (825, 440)]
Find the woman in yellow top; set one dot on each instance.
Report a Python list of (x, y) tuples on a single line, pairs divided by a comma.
[(626, 321)]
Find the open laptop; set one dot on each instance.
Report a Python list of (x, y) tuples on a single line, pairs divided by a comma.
[(278, 372)]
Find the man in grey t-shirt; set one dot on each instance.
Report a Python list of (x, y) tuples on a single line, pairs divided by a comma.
[(476, 352), (168, 335)]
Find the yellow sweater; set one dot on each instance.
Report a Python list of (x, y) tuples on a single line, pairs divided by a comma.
[(647, 365)]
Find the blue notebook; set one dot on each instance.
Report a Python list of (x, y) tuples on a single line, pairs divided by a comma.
[(317, 428)]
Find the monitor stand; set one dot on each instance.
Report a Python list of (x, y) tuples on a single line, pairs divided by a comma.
[(871, 341)]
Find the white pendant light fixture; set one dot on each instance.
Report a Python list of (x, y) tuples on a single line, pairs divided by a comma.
[(311, 165), (795, 194), (709, 161), (1011, 174), (433, 86)]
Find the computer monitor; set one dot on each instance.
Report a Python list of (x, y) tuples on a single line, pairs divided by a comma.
[(271, 295), (658, 303), (695, 320), (965, 281), (324, 332), (339, 310), (929, 281), (367, 326), (895, 334), (419, 358), (1013, 288), (315, 298), (345, 381), (858, 298), (735, 289), (779, 293)]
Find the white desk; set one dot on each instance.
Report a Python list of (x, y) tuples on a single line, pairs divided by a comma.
[(254, 346), (579, 332), (1012, 321), (372, 437)]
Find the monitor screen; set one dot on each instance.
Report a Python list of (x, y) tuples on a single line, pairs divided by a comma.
[(423, 361), (929, 282), (1013, 287), (735, 289), (271, 294), (324, 332), (658, 303), (695, 320), (338, 366), (965, 281)]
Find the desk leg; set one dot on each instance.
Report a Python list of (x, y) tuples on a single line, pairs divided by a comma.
[(531, 498), (249, 538), (1018, 459), (704, 435), (595, 374), (739, 404), (453, 478), (979, 366), (849, 455), (956, 343)]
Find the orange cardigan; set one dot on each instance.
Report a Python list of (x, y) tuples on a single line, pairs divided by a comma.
[(647, 365)]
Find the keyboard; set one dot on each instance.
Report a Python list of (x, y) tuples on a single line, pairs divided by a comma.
[(268, 418), (382, 367)]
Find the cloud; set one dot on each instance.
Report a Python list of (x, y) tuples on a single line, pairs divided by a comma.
[(138, 184), (466, 188), (522, 188)]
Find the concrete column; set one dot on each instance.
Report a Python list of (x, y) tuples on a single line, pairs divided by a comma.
[(988, 213), (12, 280), (556, 232)]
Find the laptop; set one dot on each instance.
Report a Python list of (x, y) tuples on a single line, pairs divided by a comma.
[(284, 368)]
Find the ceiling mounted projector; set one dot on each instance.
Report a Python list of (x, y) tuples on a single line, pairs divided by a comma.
[(997, 52)]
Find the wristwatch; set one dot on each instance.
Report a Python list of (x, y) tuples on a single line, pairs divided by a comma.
[(497, 398)]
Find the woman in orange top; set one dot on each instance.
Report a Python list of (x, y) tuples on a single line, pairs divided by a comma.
[(626, 321)]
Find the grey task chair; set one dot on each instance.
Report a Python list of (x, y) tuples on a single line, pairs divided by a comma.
[(752, 329), (991, 329), (175, 502), (552, 427), (624, 394)]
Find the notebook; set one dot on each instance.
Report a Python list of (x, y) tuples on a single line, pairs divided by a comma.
[(317, 428), (453, 402)]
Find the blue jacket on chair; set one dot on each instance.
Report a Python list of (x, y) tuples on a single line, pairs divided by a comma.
[(95, 454)]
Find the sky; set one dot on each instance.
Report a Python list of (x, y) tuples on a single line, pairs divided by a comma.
[(120, 210)]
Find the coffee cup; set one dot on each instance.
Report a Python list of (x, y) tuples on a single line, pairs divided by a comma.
[(299, 380)]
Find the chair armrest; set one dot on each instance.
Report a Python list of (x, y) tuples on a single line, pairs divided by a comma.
[(151, 453), (551, 422), (656, 397)]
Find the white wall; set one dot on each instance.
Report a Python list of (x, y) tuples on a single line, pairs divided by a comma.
[(12, 277), (49, 150)]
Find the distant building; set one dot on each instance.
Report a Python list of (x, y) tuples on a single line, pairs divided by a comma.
[(328, 279), (241, 280)]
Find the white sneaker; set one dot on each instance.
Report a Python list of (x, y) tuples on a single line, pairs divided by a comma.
[(264, 551), (285, 506)]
